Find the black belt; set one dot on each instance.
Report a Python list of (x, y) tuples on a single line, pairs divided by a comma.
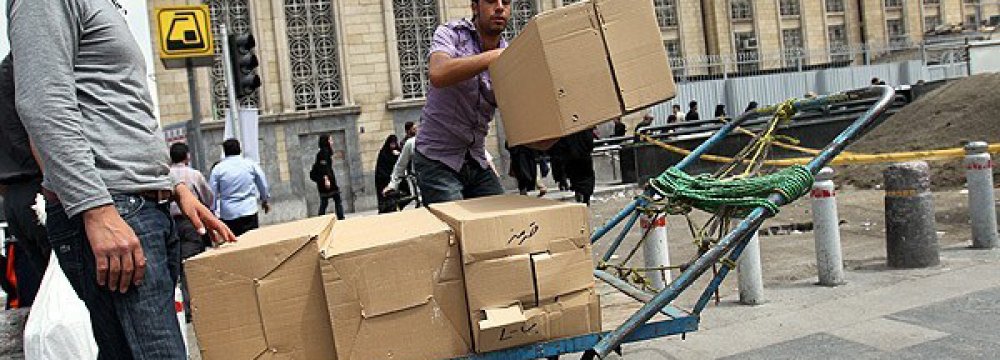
[(157, 196)]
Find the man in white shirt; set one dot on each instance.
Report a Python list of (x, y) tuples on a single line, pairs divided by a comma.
[(239, 185)]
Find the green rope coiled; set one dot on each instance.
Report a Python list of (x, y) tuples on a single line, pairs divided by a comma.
[(710, 194)]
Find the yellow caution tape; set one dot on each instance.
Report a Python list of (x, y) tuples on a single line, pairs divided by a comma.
[(842, 159)]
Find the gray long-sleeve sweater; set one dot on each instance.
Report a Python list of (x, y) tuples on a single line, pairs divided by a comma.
[(81, 93)]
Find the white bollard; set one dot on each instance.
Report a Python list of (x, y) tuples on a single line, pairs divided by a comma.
[(979, 177), (654, 249), (826, 229), (750, 273)]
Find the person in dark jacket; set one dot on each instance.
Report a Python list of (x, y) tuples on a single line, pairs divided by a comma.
[(387, 157), (692, 114), (620, 128), (575, 150), (720, 111), (326, 182), (523, 167)]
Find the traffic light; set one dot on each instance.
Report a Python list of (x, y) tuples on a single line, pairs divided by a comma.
[(244, 64)]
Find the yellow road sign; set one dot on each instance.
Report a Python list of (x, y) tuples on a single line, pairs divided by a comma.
[(185, 32)]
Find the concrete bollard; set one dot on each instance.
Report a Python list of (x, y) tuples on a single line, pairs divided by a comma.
[(979, 177), (910, 228), (826, 229), (655, 251), (750, 274)]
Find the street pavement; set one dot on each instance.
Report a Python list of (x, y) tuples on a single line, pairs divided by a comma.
[(946, 312)]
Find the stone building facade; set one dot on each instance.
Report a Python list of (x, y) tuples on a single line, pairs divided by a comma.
[(356, 68)]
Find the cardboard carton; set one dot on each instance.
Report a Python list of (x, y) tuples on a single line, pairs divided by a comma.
[(528, 269), (263, 296), (394, 288), (580, 65)]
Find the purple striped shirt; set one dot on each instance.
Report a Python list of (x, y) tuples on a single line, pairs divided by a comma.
[(455, 119)]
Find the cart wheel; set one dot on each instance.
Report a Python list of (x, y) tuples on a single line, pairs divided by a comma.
[(553, 357), (589, 355)]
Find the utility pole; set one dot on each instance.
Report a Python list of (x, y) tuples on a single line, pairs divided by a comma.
[(234, 105)]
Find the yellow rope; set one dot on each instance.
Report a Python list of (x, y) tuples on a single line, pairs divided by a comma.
[(843, 158)]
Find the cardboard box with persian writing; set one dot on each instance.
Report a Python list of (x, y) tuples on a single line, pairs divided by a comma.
[(528, 269)]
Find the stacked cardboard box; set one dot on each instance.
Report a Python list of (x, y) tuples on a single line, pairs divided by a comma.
[(394, 288), (263, 296), (528, 269), (397, 286), (577, 66)]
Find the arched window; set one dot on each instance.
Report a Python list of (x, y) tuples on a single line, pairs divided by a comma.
[(312, 53), (415, 21)]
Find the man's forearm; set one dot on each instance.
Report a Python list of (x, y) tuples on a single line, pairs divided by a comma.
[(446, 71)]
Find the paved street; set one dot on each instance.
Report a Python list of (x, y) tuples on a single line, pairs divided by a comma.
[(944, 312)]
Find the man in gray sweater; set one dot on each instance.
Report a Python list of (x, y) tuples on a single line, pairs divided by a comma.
[(80, 82)]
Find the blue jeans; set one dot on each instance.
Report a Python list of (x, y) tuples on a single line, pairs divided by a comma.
[(439, 183), (142, 323)]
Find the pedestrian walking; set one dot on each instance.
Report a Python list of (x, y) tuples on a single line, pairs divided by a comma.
[(326, 181), (388, 155), (240, 186)]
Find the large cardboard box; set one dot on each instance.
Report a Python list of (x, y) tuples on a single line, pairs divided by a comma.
[(263, 296), (394, 288), (577, 66), (528, 269)]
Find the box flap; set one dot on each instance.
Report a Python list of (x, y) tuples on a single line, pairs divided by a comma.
[(259, 251), (498, 226), (224, 287), (289, 319), (370, 233), (574, 314), (635, 47), (417, 333), (494, 206), (563, 273), (510, 326), (394, 288), (499, 317), (224, 307), (314, 227), (500, 282), (397, 279)]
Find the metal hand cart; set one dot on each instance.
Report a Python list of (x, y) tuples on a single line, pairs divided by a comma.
[(726, 250)]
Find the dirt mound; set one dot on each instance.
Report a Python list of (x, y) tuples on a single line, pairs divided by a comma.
[(961, 111)]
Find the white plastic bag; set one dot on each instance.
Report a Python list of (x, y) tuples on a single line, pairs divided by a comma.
[(59, 324)]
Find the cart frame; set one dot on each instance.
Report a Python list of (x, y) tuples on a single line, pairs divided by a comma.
[(638, 327)]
